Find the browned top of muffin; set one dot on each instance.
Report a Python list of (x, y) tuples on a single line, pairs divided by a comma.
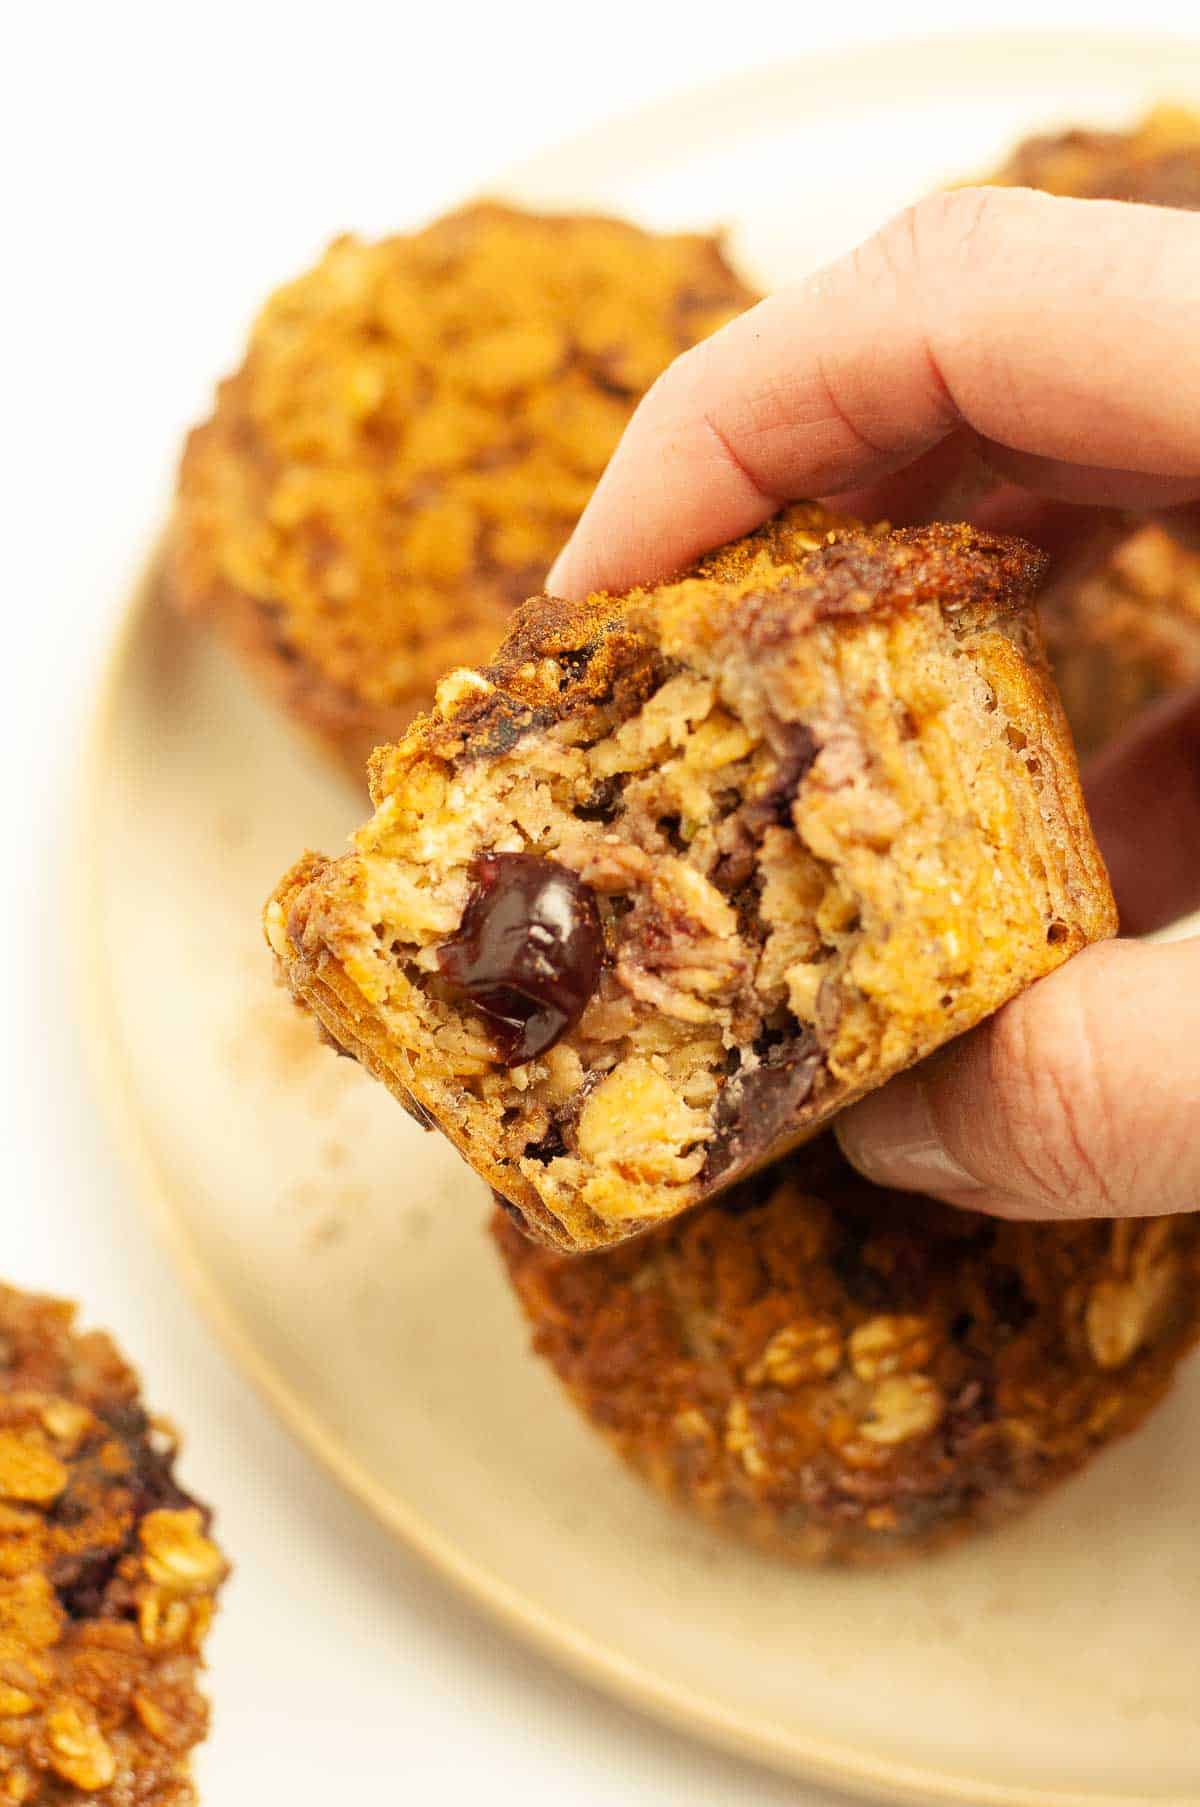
[(416, 426), (848, 1370), (807, 565)]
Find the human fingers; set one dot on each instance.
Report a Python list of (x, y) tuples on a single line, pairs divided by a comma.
[(1058, 329), (1078, 1099)]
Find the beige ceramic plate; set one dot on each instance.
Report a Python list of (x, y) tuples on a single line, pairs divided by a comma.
[(340, 1250)]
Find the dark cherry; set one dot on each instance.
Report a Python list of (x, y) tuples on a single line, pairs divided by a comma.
[(528, 951)]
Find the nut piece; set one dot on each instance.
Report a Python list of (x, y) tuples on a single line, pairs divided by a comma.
[(152, 1716), (741, 1441), (892, 1345), (66, 1422), (163, 1623), (78, 1751), (799, 1352), (178, 1555), (1122, 1315), (902, 1407), (459, 686), (693, 1426), (28, 1470)]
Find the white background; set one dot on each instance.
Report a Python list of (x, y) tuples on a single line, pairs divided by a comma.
[(162, 168)]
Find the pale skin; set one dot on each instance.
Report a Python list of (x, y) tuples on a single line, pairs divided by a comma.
[(1032, 363)]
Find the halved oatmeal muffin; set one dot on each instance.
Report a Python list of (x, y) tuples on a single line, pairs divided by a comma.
[(1129, 631), (685, 870), (841, 1373), (108, 1576), (416, 426)]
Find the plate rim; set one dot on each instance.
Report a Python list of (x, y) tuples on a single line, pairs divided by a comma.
[(805, 1755)]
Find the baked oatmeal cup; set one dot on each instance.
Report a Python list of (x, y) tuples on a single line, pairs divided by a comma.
[(844, 1374), (684, 871), (416, 426), (108, 1576), (1129, 631)]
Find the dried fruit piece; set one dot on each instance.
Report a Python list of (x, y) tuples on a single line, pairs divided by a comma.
[(528, 951)]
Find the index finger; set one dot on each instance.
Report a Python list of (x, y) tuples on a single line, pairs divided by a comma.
[(1059, 332)]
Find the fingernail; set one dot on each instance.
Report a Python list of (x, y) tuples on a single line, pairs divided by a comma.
[(891, 1137)]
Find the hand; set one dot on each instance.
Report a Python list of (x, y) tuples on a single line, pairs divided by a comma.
[(1007, 356)]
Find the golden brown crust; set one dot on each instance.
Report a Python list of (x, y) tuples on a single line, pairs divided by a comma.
[(413, 433), (845, 1374), (1129, 631), (824, 801), (108, 1576), (607, 650)]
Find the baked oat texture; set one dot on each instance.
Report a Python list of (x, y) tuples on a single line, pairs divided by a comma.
[(108, 1576), (1130, 630), (822, 802), (414, 431), (840, 1373)]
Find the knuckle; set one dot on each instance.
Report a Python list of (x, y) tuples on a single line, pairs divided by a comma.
[(889, 255), (941, 231), (959, 227)]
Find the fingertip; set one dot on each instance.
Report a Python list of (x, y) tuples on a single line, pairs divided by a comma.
[(580, 570), (558, 577)]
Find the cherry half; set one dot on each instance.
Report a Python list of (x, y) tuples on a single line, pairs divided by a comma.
[(528, 952)]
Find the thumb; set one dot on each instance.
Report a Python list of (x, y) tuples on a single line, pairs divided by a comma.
[(1081, 1098)]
